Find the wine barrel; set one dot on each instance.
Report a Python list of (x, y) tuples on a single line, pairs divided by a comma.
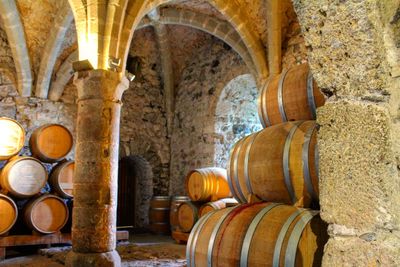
[(278, 164), (61, 179), (12, 138), (207, 184), (217, 205), (23, 177), (46, 214), (159, 214), (8, 213), (173, 215), (262, 234), (51, 142), (188, 214), (292, 96)]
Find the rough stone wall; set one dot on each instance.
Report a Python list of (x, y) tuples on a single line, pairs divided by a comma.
[(33, 112), (235, 117), (194, 138), (143, 121), (353, 54)]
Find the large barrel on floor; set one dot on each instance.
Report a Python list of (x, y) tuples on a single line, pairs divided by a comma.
[(207, 184), (262, 234), (188, 214), (173, 215), (61, 179), (51, 142), (8, 213), (23, 177), (278, 164), (292, 96), (159, 214), (217, 205), (12, 138), (46, 214)]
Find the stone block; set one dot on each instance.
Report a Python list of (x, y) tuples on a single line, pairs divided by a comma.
[(358, 177)]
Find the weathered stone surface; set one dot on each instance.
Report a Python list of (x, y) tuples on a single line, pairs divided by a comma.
[(355, 251), (358, 178), (107, 259), (346, 51)]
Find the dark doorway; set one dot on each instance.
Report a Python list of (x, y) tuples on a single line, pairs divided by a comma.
[(133, 172)]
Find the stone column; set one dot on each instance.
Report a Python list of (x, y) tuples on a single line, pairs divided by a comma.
[(96, 169)]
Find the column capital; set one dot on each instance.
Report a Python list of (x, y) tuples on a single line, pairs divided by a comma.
[(100, 84)]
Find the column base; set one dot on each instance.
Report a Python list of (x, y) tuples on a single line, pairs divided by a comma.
[(105, 259)]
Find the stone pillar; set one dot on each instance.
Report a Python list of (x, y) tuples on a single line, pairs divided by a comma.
[(96, 169)]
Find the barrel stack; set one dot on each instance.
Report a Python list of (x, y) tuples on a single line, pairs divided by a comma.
[(273, 173), (26, 202)]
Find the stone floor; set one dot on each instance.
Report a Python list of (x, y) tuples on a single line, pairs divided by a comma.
[(142, 250)]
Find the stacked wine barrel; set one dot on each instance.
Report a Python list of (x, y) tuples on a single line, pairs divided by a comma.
[(207, 190), (26, 202), (273, 173)]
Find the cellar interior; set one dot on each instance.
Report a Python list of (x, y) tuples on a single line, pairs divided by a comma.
[(199, 133)]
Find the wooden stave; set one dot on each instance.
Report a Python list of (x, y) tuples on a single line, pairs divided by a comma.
[(11, 201), (173, 215), (194, 207), (215, 185), (159, 214), (274, 106), (272, 160), (54, 179), (27, 213), (202, 249), (4, 183), (6, 157), (34, 147)]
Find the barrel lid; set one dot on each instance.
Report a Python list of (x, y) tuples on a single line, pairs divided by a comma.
[(161, 197)]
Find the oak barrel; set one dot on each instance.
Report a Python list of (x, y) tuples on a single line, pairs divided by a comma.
[(159, 214), (61, 179), (278, 164), (217, 205), (23, 177), (51, 142), (46, 214), (8, 213), (291, 96), (188, 214), (262, 234), (207, 184), (173, 214), (12, 138)]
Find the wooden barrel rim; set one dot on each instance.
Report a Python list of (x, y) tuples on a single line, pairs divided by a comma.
[(262, 110), (160, 209), (192, 241), (180, 198), (306, 165), (11, 201), (215, 232), (246, 163), (195, 216), (250, 232), (310, 95), (37, 201), (55, 175), (241, 196), (285, 161), (161, 198), (21, 145), (280, 96)]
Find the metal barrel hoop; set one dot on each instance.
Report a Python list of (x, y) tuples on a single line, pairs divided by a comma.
[(306, 165), (310, 95)]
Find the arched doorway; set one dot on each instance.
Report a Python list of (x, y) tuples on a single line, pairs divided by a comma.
[(135, 177)]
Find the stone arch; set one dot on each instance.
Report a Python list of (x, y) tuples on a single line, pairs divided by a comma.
[(52, 49), (63, 76), (216, 27), (240, 21), (235, 116), (16, 37)]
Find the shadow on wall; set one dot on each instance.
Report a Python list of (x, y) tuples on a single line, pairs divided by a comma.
[(235, 116), (135, 188)]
